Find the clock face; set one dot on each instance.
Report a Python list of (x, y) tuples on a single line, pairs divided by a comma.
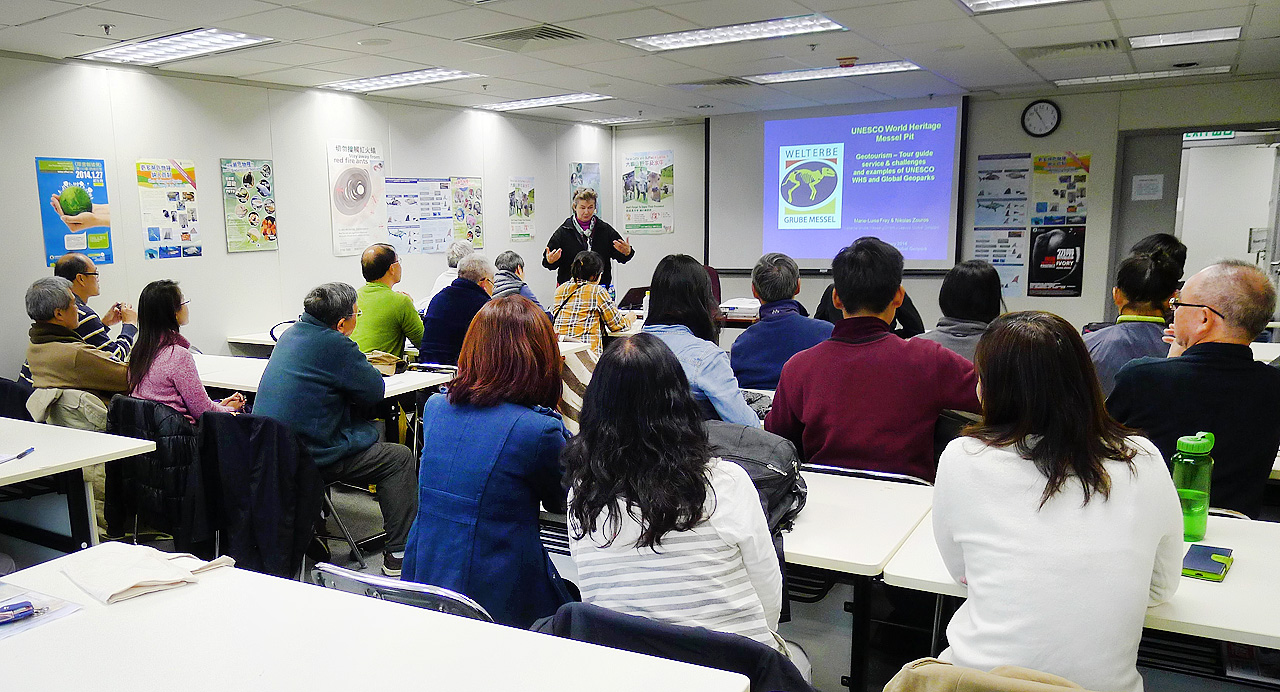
[(1041, 118)]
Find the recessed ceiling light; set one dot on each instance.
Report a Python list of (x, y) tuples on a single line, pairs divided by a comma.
[(175, 47), (374, 42), (616, 121), (400, 79), (980, 6), (830, 72), (773, 28), (1181, 38), (560, 100), (1160, 74)]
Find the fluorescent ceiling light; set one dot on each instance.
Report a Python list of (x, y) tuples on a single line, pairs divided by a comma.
[(560, 100), (1107, 79), (830, 72), (980, 6), (773, 28), (616, 121), (401, 79), (1230, 33), (176, 47)]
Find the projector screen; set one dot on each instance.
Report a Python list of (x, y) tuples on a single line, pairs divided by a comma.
[(809, 182)]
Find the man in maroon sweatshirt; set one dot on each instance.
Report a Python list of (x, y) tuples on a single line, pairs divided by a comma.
[(866, 398)]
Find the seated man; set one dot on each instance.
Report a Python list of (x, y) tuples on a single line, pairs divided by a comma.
[(784, 329), (446, 320), (510, 278), (457, 250), (83, 275), (1144, 286), (866, 398), (313, 383), (57, 356), (387, 317), (1211, 382)]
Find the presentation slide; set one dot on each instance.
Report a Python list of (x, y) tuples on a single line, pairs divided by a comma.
[(831, 180)]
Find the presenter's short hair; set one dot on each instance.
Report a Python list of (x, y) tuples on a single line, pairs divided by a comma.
[(586, 194)]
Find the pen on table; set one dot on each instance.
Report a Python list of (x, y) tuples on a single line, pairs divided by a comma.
[(25, 452)]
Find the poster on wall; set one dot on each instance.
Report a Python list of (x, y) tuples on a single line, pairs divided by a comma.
[(1059, 215), (583, 176), (1001, 197), (167, 197), (520, 208), (435, 210), (419, 215), (249, 204), (75, 213), (357, 201), (648, 184), (468, 210)]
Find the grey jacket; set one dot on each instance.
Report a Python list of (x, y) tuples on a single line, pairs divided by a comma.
[(960, 336)]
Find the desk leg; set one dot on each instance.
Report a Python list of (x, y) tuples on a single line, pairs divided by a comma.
[(84, 528), (860, 638)]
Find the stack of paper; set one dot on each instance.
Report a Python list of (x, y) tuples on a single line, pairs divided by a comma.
[(120, 571)]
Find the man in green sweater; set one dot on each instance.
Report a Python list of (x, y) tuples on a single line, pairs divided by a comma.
[(387, 317)]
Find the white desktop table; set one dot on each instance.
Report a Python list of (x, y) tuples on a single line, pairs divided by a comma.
[(1242, 608), (244, 631), (1265, 352), (243, 374), (62, 451)]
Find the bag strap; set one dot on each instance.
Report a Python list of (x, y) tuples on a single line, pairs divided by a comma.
[(555, 314)]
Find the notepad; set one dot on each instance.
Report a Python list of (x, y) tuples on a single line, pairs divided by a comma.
[(1207, 562)]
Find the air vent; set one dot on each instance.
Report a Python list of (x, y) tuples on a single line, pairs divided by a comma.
[(1070, 50), (707, 83), (528, 39)]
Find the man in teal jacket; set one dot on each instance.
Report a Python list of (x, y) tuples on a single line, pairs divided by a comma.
[(315, 378)]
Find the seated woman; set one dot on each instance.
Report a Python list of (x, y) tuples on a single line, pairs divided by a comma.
[(161, 367), (970, 299), (657, 527), (491, 454), (1064, 524), (682, 313), (582, 308), (1144, 286)]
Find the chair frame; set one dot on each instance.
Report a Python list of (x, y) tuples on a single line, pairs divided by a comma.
[(407, 593), (864, 473)]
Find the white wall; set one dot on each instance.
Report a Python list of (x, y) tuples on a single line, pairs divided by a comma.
[(122, 115), (1225, 191)]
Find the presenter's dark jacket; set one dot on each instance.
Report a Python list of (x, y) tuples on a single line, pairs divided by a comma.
[(1217, 388), (784, 330), (445, 323), (907, 320), (484, 472), (569, 239), (315, 379)]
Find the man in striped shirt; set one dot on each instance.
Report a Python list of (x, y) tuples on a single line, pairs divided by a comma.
[(83, 275)]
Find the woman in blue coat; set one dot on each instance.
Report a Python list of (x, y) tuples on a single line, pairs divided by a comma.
[(490, 457)]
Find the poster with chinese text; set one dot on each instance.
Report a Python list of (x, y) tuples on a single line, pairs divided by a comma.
[(648, 186), (167, 197), (249, 204), (75, 213), (468, 210), (357, 200), (520, 208)]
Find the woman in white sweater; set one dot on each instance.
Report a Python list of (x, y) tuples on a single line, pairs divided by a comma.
[(1064, 524), (657, 527)]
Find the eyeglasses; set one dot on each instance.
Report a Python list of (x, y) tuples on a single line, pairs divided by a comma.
[(1174, 304), (188, 300), (89, 273)]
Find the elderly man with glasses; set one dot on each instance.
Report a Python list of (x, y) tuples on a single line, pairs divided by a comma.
[(82, 274), (447, 319), (1210, 382)]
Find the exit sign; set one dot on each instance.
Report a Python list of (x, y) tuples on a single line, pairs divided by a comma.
[(1198, 136)]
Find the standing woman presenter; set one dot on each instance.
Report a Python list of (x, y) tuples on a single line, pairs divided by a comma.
[(583, 230)]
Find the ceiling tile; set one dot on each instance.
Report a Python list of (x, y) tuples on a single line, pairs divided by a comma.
[(578, 52), (504, 65), (652, 69), (1264, 23), (47, 40), (204, 12), (398, 40), (1101, 31), (1127, 9), (1084, 66), (710, 13), (467, 100), (466, 23), (12, 13), (832, 91), (421, 92), (370, 66), (556, 11), (299, 76), (290, 25), (765, 98), (729, 58), (1185, 21), (88, 21), (898, 14), (503, 89), (630, 24), (958, 48), (1223, 53), (437, 51), (1261, 56), (909, 85), (1042, 17), (568, 79), (298, 54), (979, 70), (834, 5), (234, 64), (378, 11), (955, 31)]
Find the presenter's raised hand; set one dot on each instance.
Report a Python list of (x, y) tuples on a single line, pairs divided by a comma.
[(623, 246), (554, 255)]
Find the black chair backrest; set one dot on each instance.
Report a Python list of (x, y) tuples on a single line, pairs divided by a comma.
[(949, 426), (13, 399)]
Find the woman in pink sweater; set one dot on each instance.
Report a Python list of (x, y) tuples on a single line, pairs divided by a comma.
[(161, 367)]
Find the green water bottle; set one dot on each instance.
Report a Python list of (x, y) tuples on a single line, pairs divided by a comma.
[(1192, 470)]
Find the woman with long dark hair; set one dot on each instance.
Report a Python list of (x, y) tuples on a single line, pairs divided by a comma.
[(1064, 524), (490, 456), (657, 527), (161, 367), (682, 313)]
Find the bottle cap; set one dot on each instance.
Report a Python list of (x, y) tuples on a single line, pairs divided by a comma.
[(1199, 443)]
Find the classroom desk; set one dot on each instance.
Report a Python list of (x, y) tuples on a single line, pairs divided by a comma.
[(240, 630), (1241, 609), (1265, 352), (62, 451), (263, 339), (1275, 469), (243, 374), (636, 325)]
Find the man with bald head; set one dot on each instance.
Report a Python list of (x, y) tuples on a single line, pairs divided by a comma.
[(1210, 382), (387, 317)]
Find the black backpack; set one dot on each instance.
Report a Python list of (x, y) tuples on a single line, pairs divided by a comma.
[(773, 465)]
